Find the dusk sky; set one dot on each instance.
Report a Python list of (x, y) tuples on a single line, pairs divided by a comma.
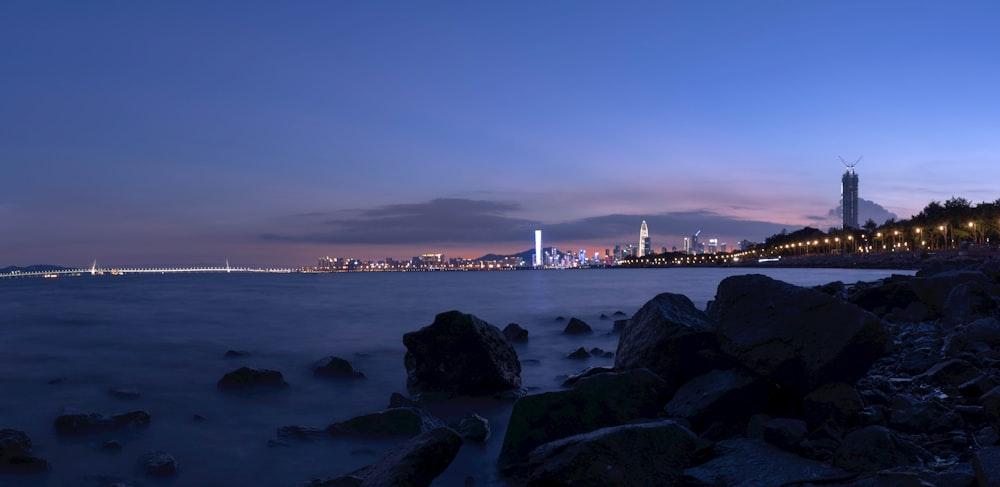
[(274, 133)]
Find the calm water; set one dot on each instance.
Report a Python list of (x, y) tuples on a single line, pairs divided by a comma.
[(68, 341)]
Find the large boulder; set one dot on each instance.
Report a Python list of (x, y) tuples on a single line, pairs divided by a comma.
[(247, 378), (883, 299), (577, 326), (835, 401), (967, 301), (710, 397), (636, 454), (16, 455), (460, 354), (797, 337), (594, 402), (335, 367), (875, 448), (415, 463), (515, 333), (671, 337), (403, 421), (986, 464), (79, 423), (933, 290)]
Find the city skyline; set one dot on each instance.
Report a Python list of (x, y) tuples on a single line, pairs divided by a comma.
[(272, 135)]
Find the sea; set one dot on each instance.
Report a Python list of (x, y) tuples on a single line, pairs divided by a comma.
[(68, 343)]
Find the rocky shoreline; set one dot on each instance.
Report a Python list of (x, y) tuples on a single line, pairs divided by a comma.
[(894, 382)]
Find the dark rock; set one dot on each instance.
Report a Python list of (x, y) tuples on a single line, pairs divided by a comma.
[(595, 402), (515, 333), (785, 433), (301, 432), (913, 415), (949, 374), (822, 442), (589, 371), (391, 422), (748, 462), (159, 464), (880, 300), (966, 301), (986, 464), (619, 313), (837, 401), (991, 406), (472, 427), (985, 330), (619, 325), (604, 317), (342, 481), (797, 337), (669, 336), (125, 393), (835, 289), (73, 423), (710, 398), (112, 446), (397, 400), (16, 453), (560, 318), (336, 367), (580, 353), (875, 448), (460, 354), (934, 290), (415, 463), (636, 454), (246, 378), (236, 353), (577, 327)]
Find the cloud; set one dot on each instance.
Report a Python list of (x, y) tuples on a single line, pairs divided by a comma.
[(465, 221), (866, 209)]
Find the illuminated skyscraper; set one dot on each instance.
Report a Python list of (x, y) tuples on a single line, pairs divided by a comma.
[(849, 194), (538, 248), (644, 248)]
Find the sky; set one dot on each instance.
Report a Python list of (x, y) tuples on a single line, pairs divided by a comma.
[(275, 133)]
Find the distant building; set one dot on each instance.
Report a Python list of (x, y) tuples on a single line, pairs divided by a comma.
[(687, 245), (713, 245), (644, 248), (849, 197)]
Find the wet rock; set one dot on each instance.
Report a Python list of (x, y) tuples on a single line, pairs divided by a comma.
[(797, 337), (785, 433), (472, 427), (335, 367), (986, 464), (580, 353), (246, 378), (594, 402), (671, 337), (589, 371), (515, 333), (577, 327), (748, 462), (637, 454), (415, 463), (836, 401), (159, 464), (460, 354), (875, 448), (397, 400), (74, 423), (404, 421), (710, 398), (16, 453)]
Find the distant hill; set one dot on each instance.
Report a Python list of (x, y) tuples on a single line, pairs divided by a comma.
[(34, 268)]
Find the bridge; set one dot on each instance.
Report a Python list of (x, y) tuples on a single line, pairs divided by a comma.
[(99, 271)]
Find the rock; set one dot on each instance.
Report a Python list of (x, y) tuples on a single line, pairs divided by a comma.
[(73, 423), (669, 336), (560, 318), (415, 463), (397, 400), (405, 421), (934, 290), (580, 353), (594, 402), (604, 317), (246, 378), (986, 464), (301, 433), (16, 453), (460, 354), (515, 333), (875, 448), (636, 454), (577, 327), (797, 337), (912, 415), (619, 325), (991, 406), (785, 433), (750, 462), (589, 371), (236, 353), (966, 301), (889, 297), (336, 367), (159, 464), (619, 313), (710, 398), (472, 427), (949, 374), (836, 401)]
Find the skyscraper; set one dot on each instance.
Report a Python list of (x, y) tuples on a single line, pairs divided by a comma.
[(538, 248), (849, 195), (644, 248)]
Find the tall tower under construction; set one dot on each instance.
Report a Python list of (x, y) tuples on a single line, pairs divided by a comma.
[(644, 248), (849, 194)]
